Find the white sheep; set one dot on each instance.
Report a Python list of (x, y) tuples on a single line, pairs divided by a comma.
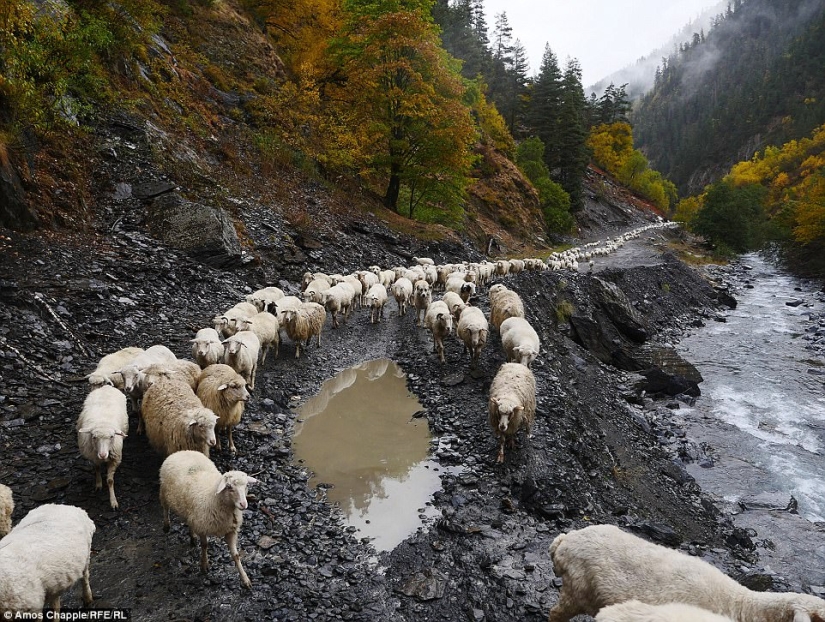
[(402, 291), (43, 556), (175, 419), (422, 297), (339, 298), (504, 303), (304, 322), (512, 403), (108, 368), (207, 348), (241, 352), (367, 279), (458, 283), (634, 611), (225, 323), (287, 302), (309, 277), (266, 297), (266, 329), (519, 340), (223, 391), (131, 372), (315, 291), (602, 565), (472, 330), (376, 298), (454, 303), (6, 509), (357, 287), (439, 321), (209, 502), (101, 428), (423, 261), (181, 370)]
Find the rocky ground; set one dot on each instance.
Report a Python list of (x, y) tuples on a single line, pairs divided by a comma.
[(597, 454)]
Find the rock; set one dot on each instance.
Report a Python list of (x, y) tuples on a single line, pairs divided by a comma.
[(769, 501), (204, 232), (667, 372), (151, 189), (427, 585), (725, 298), (590, 335), (793, 303), (122, 192), (15, 212), (453, 379), (618, 308), (757, 580), (659, 532)]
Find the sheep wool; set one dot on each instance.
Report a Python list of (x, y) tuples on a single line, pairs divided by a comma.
[(101, 428), (512, 403), (304, 322), (472, 330), (402, 290), (108, 368), (241, 352), (6, 509), (602, 565), (519, 340), (439, 321), (634, 611), (43, 556), (504, 303), (266, 329), (222, 390), (207, 348), (376, 298), (176, 420), (209, 502)]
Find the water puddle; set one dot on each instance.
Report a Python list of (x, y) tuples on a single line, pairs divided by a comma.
[(358, 434)]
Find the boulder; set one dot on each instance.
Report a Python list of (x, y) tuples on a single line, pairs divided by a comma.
[(589, 333), (666, 372), (618, 308), (202, 231)]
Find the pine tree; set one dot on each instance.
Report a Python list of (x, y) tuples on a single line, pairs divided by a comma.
[(573, 152), (544, 109)]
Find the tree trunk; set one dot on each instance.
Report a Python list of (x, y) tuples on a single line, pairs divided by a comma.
[(393, 190)]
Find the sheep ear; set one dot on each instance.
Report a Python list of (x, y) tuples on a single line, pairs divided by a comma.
[(800, 615), (121, 433), (518, 409), (494, 400), (439, 316), (250, 480), (221, 486), (223, 387), (84, 430), (193, 422)]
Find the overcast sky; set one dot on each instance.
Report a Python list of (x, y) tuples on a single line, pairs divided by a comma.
[(605, 35)]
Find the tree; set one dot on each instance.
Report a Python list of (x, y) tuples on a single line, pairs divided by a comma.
[(544, 107), (573, 152), (732, 217), (555, 202), (406, 96)]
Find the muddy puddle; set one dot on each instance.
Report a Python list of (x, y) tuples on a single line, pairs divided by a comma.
[(359, 435)]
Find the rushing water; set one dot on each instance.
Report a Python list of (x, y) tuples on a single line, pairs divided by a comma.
[(358, 434), (762, 411)]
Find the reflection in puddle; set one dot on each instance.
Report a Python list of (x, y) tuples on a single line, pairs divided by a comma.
[(359, 435)]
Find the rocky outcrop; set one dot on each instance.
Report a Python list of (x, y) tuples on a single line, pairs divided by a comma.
[(618, 308), (202, 231), (15, 212)]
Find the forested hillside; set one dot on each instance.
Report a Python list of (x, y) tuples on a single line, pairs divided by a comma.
[(414, 105), (754, 79)]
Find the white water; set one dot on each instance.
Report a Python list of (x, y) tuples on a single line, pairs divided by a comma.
[(761, 410)]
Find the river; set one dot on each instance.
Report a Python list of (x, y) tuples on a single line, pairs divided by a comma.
[(762, 418)]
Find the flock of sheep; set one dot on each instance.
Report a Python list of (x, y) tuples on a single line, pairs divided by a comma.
[(184, 407)]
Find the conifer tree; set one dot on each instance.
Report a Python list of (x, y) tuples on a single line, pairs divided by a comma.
[(572, 138), (544, 109)]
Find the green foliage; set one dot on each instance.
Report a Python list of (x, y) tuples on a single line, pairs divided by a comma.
[(732, 217), (564, 311), (555, 202)]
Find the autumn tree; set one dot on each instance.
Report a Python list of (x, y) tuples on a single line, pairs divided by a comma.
[(405, 94)]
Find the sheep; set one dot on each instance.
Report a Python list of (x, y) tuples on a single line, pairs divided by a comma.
[(519, 340), (175, 419), (402, 290), (502, 267), (225, 323), (130, 372), (472, 330), (207, 348), (43, 556), (339, 298), (108, 368), (458, 283), (516, 266), (6, 509), (357, 287), (209, 502), (315, 291), (439, 321), (266, 328), (367, 280), (101, 428), (423, 261), (504, 303), (265, 297), (309, 277), (241, 352), (602, 565), (223, 391), (634, 611), (422, 297), (454, 303), (304, 322), (376, 298), (181, 370), (512, 403), (287, 302)]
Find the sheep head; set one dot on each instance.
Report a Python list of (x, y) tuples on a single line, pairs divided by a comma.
[(508, 410), (235, 391), (233, 485), (103, 438)]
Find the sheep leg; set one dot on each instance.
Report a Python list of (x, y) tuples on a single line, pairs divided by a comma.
[(564, 609), (140, 425), (217, 441), (110, 482), (53, 602), (277, 347), (500, 457), (231, 442), (254, 371), (232, 542), (334, 319), (297, 349), (319, 339), (98, 480), (263, 354), (87, 589), (204, 558)]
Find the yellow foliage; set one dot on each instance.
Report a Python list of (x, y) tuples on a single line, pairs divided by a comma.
[(687, 209)]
